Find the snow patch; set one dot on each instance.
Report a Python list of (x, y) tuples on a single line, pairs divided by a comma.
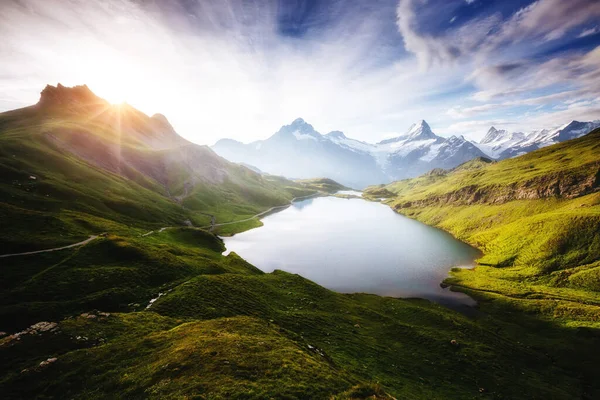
[(304, 136)]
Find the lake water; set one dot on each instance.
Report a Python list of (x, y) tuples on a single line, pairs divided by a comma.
[(353, 245)]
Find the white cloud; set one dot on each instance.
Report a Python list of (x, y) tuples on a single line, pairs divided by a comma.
[(549, 19), (433, 50), (211, 83), (589, 32), (216, 72), (481, 37)]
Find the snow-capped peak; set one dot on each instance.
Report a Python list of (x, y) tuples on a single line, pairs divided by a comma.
[(420, 131), (298, 121), (416, 132), (493, 135)]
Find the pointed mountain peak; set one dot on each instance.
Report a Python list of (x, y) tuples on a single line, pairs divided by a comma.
[(297, 127), (492, 135), (420, 131), (298, 121), (454, 139), (336, 135)]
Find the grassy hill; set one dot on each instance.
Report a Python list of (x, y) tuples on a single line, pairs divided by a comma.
[(74, 165), (134, 314), (535, 217)]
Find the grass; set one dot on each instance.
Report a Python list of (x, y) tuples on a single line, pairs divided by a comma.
[(221, 328), (536, 218), (231, 331), (67, 174)]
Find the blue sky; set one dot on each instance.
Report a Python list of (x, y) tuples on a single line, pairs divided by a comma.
[(241, 68)]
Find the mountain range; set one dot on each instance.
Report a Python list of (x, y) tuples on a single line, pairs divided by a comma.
[(501, 144), (297, 150), (79, 158)]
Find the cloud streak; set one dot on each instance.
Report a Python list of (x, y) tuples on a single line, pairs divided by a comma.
[(241, 69)]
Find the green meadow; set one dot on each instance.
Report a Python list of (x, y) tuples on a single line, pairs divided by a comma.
[(134, 314)]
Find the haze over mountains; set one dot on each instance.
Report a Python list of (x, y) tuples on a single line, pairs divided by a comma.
[(74, 153), (299, 151)]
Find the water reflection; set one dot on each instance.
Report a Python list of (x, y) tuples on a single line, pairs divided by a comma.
[(357, 246)]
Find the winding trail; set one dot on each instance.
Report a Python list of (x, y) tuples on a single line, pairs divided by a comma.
[(213, 225), (210, 228), (82, 243)]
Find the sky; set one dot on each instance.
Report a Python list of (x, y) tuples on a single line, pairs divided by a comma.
[(241, 69)]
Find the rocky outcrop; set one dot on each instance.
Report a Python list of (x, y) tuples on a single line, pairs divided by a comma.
[(62, 96), (561, 185)]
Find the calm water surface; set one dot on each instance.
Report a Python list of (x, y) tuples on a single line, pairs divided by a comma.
[(353, 245)]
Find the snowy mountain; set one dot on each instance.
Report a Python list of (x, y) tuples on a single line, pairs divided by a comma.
[(299, 151), (495, 141), (501, 144)]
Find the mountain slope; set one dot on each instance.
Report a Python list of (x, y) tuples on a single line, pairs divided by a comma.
[(298, 151), (501, 144), (536, 217), (72, 163), (164, 314)]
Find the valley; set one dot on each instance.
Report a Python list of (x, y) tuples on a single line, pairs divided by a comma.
[(169, 315), (376, 251)]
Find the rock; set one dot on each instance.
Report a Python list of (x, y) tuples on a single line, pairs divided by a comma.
[(84, 315), (91, 316), (454, 342), (2, 334), (357, 325), (43, 326), (32, 177), (103, 314), (48, 362)]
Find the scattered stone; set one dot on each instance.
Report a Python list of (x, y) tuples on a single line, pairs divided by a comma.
[(104, 314), (454, 342), (32, 177), (84, 315), (310, 347), (481, 390), (48, 362), (2, 334), (43, 326), (91, 316), (34, 329), (357, 325)]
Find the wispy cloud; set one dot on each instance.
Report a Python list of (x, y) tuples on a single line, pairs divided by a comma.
[(589, 32), (241, 69)]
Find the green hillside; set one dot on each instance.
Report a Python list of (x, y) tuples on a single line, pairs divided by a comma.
[(74, 165), (535, 217), (144, 312)]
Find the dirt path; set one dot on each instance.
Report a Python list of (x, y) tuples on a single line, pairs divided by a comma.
[(84, 242), (213, 225)]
